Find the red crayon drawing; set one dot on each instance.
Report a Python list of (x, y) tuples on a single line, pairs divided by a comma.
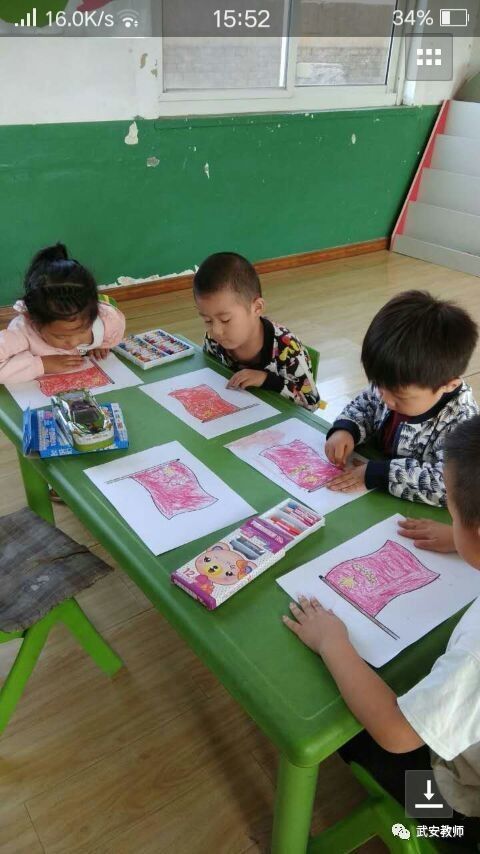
[(302, 464), (203, 402), (91, 377), (371, 582), (174, 488)]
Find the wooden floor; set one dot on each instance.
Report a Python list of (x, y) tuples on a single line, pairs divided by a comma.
[(160, 759)]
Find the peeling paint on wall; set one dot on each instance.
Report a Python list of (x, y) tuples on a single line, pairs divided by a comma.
[(153, 161), (154, 71), (132, 135), (124, 281), (206, 169), (143, 60), (354, 138)]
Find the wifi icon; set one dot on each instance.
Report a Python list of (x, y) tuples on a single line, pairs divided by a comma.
[(128, 18)]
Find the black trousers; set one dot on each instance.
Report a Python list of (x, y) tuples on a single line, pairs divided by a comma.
[(388, 769)]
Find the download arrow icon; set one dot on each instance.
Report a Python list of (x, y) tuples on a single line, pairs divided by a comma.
[(429, 794)]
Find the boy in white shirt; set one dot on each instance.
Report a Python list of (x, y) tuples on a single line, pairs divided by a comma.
[(435, 725)]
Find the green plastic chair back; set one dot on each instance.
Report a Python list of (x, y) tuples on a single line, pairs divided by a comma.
[(315, 360), (107, 299)]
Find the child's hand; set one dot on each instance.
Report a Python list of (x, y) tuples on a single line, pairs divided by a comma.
[(339, 447), (434, 536), (315, 626), (59, 364), (99, 353), (247, 378), (352, 480)]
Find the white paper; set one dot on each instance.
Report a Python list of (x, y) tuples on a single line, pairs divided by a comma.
[(251, 449), (177, 502), (248, 409), (409, 615), (30, 394)]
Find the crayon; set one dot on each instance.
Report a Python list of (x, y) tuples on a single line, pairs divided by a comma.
[(292, 519), (275, 539), (275, 520), (260, 540), (251, 545), (266, 540), (308, 521), (241, 545), (307, 516)]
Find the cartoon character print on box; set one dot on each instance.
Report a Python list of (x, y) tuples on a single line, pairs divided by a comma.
[(203, 402), (90, 377), (302, 464), (371, 582), (221, 565), (174, 488)]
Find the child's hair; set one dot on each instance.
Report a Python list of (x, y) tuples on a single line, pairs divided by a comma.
[(227, 270), (416, 339), (58, 287), (462, 455)]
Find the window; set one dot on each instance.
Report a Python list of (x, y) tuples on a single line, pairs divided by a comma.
[(342, 61), (191, 64), (205, 75)]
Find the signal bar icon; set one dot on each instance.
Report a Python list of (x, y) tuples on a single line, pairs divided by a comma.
[(30, 19)]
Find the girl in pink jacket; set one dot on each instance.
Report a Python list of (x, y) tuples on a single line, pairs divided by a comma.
[(59, 320)]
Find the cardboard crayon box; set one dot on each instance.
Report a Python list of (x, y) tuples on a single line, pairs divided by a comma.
[(223, 569)]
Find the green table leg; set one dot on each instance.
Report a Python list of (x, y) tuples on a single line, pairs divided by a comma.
[(36, 490), (293, 808)]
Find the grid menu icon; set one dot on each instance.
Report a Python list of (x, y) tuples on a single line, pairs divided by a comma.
[(429, 57)]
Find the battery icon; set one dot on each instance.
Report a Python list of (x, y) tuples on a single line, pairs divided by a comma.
[(454, 17)]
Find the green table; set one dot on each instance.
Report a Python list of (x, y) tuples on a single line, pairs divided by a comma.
[(281, 684)]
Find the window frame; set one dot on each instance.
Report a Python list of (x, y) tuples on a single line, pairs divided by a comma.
[(289, 98)]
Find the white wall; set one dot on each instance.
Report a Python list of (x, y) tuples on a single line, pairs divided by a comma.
[(51, 80), (474, 66), (65, 80)]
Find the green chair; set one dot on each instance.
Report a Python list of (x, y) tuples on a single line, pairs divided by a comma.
[(41, 569), (375, 817), (108, 300), (315, 360)]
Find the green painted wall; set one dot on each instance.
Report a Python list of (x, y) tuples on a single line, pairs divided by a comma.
[(277, 185)]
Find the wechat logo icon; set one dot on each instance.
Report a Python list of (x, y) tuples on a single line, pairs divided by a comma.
[(401, 831)]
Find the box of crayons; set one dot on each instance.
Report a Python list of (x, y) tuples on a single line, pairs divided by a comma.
[(221, 570), (156, 347)]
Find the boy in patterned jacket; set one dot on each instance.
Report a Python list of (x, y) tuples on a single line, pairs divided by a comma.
[(414, 353), (261, 353)]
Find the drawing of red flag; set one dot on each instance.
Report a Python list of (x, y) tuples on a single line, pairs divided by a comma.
[(203, 402), (91, 376), (302, 464), (371, 582), (174, 488)]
